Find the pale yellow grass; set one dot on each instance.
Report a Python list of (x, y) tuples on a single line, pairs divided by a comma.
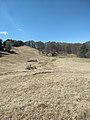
[(59, 89)]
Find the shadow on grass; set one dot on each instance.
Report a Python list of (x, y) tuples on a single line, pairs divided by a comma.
[(13, 52), (2, 53)]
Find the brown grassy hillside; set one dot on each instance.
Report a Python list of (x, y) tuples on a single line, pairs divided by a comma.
[(59, 89)]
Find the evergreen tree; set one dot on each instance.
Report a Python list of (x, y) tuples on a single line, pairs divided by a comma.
[(83, 50), (7, 47), (1, 47)]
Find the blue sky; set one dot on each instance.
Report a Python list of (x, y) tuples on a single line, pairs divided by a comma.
[(45, 20)]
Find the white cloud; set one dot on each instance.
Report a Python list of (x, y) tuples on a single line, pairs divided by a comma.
[(20, 29), (4, 32)]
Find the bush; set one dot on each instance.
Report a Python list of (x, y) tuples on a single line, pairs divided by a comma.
[(29, 67), (87, 55)]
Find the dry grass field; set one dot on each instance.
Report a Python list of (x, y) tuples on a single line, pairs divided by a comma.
[(59, 89)]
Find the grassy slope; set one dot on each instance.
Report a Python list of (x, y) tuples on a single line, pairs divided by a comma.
[(58, 89)]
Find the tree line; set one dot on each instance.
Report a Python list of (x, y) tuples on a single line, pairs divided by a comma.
[(56, 48), (53, 48), (6, 45)]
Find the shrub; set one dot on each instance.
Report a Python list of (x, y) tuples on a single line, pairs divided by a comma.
[(29, 67), (87, 55)]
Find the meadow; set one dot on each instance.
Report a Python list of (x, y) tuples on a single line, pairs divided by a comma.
[(57, 89)]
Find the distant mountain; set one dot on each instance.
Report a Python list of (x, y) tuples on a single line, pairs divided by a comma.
[(88, 42)]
